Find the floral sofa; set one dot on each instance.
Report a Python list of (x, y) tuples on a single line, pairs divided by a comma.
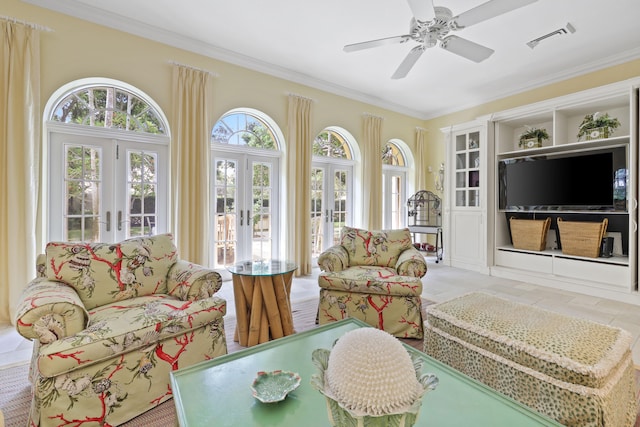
[(374, 276), (110, 321)]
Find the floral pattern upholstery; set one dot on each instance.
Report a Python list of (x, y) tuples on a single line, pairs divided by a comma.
[(111, 321), (374, 276)]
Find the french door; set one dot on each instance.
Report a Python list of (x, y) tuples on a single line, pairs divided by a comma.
[(394, 196), (245, 207), (331, 204), (105, 189)]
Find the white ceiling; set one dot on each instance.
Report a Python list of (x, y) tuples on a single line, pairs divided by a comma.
[(302, 41)]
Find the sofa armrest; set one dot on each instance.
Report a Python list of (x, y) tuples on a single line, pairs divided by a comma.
[(190, 282), (411, 263), (336, 258), (50, 310)]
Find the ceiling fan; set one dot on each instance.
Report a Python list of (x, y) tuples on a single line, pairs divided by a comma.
[(432, 24)]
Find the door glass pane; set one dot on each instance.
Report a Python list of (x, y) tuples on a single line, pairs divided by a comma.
[(474, 198), (340, 203), (82, 193), (474, 178), (317, 228), (141, 187), (396, 201), (261, 211), (474, 140), (474, 160), (226, 211)]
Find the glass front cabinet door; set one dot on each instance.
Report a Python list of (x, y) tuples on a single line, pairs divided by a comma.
[(467, 169)]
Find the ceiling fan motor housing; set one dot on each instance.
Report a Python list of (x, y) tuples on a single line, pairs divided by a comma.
[(428, 33)]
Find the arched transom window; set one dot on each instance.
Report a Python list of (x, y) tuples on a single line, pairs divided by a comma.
[(243, 129), (331, 144), (392, 155), (108, 107)]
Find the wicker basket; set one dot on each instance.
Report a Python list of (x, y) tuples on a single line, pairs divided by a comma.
[(529, 234), (582, 238)]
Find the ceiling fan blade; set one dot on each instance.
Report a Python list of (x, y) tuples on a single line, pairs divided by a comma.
[(375, 43), (488, 10), (422, 10), (408, 62), (466, 48)]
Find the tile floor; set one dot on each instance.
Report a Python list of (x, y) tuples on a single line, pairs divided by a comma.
[(440, 284)]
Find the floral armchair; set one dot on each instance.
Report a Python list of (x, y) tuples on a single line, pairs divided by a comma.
[(374, 276), (110, 321)]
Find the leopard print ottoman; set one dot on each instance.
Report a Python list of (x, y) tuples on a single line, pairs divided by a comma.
[(575, 371)]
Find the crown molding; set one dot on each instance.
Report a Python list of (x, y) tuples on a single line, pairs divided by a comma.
[(549, 79)]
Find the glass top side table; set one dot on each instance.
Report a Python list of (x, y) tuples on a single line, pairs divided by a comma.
[(262, 268), (261, 291)]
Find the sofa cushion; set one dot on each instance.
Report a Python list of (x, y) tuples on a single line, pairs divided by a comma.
[(128, 325), (132, 268), (381, 247), (371, 280)]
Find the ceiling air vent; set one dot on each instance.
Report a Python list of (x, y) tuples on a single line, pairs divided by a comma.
[(566, 30)]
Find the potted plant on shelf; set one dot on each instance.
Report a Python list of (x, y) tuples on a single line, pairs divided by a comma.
[(597, 126), (532, 137)]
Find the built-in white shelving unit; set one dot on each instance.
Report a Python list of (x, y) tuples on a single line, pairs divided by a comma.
[(615, 277)]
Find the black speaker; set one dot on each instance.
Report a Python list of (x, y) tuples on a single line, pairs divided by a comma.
[(606, 249)]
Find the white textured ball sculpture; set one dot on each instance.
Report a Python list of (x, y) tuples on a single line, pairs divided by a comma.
[(369, 371)]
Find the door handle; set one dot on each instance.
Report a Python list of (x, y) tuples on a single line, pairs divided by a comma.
[(248, 218), (119, 220), (108, 220), (326, 215), (241, 218)]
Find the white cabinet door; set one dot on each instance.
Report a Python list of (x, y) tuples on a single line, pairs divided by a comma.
[(465, 222)]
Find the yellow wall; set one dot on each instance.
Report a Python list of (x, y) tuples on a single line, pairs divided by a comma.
[(77, 49)]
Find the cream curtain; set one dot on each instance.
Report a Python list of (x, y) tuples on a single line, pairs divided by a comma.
[(421, 159), (299, 140), (190, 162), (20, 153), (372, 171)]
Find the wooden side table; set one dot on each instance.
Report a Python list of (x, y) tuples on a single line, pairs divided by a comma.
[(261, 292)]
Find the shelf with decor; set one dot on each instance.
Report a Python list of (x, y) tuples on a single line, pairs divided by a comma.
[(561, 121), (577, 174)]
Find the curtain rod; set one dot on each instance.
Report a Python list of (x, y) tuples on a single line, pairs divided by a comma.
[(25, 23), (421, 128), (213, 74), (299, 96), (372, 115)]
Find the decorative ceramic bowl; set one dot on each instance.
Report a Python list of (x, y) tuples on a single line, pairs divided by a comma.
[(269, 387)]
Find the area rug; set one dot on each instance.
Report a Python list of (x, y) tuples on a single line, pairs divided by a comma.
[(15, 390)]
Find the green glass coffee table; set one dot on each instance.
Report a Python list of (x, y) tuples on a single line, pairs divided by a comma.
[(217, 392)]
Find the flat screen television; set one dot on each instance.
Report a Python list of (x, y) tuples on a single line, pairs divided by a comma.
[(586, 181)]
